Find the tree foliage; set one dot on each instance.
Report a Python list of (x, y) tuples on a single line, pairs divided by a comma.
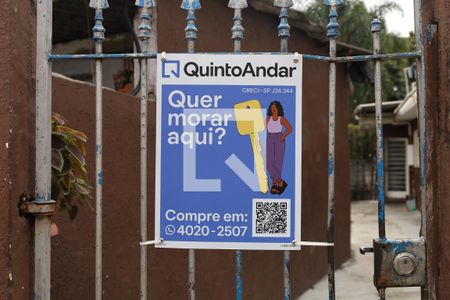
[(354, 20)]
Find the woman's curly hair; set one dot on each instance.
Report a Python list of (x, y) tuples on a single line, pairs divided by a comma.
[(279, 108)]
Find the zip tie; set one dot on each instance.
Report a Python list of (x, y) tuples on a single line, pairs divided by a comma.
[(316, 244), (163, 56), (147, 243)]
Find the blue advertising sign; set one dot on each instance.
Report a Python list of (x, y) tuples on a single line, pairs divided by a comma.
[(228, 156)]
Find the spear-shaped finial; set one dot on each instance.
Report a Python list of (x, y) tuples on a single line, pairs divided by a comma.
[(283, 3), (144, 26), (283, 27), (145, 3), (98, 29), (191, 30), (375, 25), (333, 25), (191, 4), (237, 4), (333, 2), (237, 29), (99, 4)]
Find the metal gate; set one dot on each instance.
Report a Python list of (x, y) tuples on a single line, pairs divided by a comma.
[(397, 262)]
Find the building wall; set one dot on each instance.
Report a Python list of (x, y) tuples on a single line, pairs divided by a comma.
[(437, 52), (16, 146)]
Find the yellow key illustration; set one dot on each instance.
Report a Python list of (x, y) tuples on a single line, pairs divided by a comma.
[(250, 121)]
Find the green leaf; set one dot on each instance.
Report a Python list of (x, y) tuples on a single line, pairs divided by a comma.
[(67, 166), (57, 160), (58, 141), (76, 153), (73, 133)]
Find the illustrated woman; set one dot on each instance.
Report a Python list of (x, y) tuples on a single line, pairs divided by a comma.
[(276, 123)]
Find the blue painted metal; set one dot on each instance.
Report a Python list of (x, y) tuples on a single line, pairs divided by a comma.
[(99, 4), (333, 2), (191, 4), (144, 37), (237, 29), (98, 36), (283, 27), (239, 283), (375, 25), (284, 35), (332, 34), (376, 30), (145, 3), (237, 36), (191, 30), (342, 59), (422, 124), (191, 35), (333, 29)]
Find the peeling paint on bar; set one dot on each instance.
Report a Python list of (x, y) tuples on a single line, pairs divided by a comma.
[(191, 35), (98, 36), (284, 35), (287, 275), (423, 130), (343, 59), (42, 188), (332, 34), (376, 31), (237, 36), (239, 283), (144, 37)]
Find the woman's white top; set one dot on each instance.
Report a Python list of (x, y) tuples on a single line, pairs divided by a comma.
[(274, 126)]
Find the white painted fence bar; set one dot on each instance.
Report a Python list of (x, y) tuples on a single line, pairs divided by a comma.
[(42, 245)]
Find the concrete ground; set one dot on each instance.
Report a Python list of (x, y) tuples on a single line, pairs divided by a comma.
[(355, 279)]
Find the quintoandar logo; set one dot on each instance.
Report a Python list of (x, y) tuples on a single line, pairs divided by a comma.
[(171, 68)]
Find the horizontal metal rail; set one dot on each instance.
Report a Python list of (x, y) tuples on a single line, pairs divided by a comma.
[(343, 59)]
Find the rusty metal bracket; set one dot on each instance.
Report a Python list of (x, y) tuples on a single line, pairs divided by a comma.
[(38, 208), (399, 263)]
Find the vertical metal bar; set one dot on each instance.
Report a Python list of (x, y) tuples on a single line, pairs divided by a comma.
[(191, 35), (99, 37), (376, 29), (332, 34), (42, 243), (237, 36), (287, 275), (284, 35), (153, 48), (144, 37), (421, 84), (191, 275), (239, 283)]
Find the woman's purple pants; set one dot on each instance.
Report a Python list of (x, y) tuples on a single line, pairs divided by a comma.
[(274, 155)]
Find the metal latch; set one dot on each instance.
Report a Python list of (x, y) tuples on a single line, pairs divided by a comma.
[(398, 263), (28, 206)]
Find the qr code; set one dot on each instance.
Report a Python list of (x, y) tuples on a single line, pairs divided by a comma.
[(271, 218)]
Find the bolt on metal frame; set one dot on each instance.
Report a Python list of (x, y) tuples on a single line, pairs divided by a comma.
[(43, 129)]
